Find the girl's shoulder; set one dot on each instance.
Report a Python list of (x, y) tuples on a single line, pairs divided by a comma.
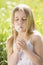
[(36, 36), (36, 33), (9, 45), (10, 38)]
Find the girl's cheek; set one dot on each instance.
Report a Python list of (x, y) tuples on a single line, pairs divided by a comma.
[(14, 23)]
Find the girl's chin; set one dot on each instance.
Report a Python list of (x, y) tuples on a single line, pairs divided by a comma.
[(21, 31)]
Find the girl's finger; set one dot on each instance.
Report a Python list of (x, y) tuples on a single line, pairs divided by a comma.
[(20, 44), (21, 41)]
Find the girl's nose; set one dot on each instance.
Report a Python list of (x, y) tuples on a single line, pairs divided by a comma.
[(20, 21)]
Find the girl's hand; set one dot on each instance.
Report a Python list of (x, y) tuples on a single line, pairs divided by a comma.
[(21, 44), (16, 47)]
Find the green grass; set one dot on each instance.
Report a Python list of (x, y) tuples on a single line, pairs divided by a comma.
[(6, 7)]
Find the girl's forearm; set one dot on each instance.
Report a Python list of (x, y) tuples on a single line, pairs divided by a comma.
[(35, 59), (13, 59)]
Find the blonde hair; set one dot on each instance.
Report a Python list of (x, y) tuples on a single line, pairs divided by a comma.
[(29, 15)]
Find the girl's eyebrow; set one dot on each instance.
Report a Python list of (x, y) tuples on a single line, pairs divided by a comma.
[(16, 17), (21, 17)]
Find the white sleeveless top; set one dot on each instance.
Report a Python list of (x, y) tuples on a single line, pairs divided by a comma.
[(23, 59)]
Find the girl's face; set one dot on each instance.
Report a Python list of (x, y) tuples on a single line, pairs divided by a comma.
[(20, 21)]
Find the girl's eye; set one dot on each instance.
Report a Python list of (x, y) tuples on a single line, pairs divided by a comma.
[(16, 19), (24, 19)]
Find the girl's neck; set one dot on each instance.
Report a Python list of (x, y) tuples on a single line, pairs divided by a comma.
[(24, 36)]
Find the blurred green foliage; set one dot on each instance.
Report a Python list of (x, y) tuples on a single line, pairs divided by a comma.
[(3, 54), (6, 8)]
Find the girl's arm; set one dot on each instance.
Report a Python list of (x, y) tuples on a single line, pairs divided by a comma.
[(37, 57), (12, 57)]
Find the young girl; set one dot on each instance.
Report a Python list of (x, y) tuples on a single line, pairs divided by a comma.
[(24, 47)]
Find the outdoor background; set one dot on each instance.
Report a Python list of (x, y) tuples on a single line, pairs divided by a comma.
[(6, 8)]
